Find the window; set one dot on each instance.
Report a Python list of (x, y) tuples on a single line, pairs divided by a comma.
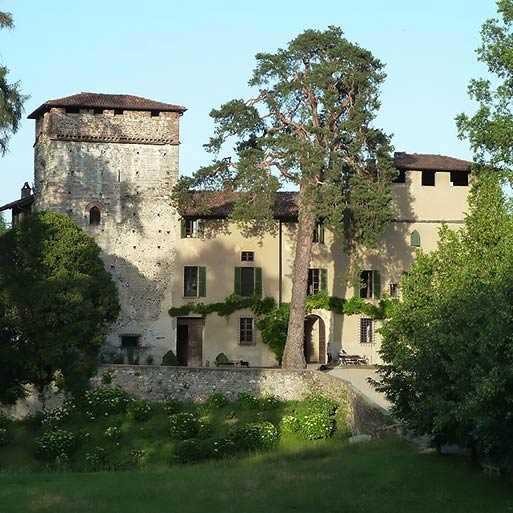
[(428, 178), (248, 281), (94, 216), (246, 330), (370, 281), (247, 256), (194, 281), (394, 290), (401, 177), (130, 340), (366, 330), (459, 178), (318, 234), (415, 239), (317, 281), (192, 228)]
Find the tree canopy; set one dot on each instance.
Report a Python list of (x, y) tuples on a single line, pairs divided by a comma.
[(310, 126), (11, 98), (3, 223), (56, 304)]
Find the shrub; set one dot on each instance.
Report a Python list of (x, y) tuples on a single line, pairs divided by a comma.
[(172, 406), (224, 448), (4, 436), (222, 359), (96, 459), (183, 425), (170, 359), (104, 401), (4, 421), (316, 426), (139, 409), (255, 436), (289, 424), (319, 404), (54, 443), (137, 456), (54, 417), (216, 401), (113, 433), (193, 451), (268, 402), (108, 376), (247, 400)]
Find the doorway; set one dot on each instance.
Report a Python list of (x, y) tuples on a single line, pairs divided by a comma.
[(189, 341), (315, 340)]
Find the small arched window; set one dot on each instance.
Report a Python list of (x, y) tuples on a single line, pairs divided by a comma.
[(415, 239), (94, 216)]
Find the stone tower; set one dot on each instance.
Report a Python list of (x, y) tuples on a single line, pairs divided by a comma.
[(109, 162)]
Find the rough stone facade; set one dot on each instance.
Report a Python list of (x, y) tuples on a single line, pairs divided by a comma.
[(124, 163), (197, 383)]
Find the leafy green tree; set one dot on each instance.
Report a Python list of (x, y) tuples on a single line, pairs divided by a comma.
[(448, 349), (56, 304), (309, 126), (3, 223), (11, 98)]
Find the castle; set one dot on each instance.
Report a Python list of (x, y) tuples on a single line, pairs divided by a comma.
[(110, 161)]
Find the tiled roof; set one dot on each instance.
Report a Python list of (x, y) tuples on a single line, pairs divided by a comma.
[(23, 202), (106, 101), (427, 162), (220, 205)]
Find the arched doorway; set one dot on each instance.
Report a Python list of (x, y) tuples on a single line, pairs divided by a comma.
[(315, 340)]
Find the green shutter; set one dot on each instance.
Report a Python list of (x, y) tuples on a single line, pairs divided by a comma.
[(324, 280), (376, 282), (237, 281), (182, 228), (415, 239), (200, 228), (202, 281), (258, 281), (321, 233)]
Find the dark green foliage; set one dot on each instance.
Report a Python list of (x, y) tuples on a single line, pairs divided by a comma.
[(318, 404), (315, 426), (273, 328), (183, 426), (216, 401), (222, 359), (193, 451), (53, 444), (11, 98), (247, 400), (3, 224), (268, 402), (172, 406), (255, 436), (56, 304), (170, 359), (101, 401), (139, 409)]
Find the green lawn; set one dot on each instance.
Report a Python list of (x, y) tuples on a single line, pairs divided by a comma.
[(380, 476)]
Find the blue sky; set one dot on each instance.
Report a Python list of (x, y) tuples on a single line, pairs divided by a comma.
[(201, 53)]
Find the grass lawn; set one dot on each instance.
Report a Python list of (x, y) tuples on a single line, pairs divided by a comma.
[(380, 476)]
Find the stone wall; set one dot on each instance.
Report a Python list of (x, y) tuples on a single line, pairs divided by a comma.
[(156, 383)]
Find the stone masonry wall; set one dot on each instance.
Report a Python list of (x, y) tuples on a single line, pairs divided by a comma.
[(196, 384)]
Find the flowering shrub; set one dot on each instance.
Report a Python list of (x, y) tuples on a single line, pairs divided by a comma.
[(104, 401), (224, 448), (183, 425), (319, 404), (4, 436), (255, 436), (268, 402), (96, 459), (289, 424), (137, 455), (247, 400), (54, 443), (54, 417), (216, 401), (316, 426), (139, 409), (193, 451), (171, 406), (113, 433)]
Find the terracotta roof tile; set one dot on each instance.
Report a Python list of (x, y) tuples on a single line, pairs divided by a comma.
[(428, 162), (106, 101)]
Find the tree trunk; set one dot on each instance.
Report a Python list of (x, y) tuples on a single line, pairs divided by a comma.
[(294, 354)]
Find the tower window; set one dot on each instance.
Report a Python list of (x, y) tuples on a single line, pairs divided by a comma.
[(94, 216), (428, 178)]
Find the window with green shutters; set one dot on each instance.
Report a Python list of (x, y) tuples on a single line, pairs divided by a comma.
[(248, 281), (370, 287), (317, 281), (415, 239), (318, 234), (192, 228), (194, 281)]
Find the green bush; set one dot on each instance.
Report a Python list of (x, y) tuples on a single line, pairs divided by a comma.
[(170, 359), (216, 401), (113, 433), (96, 459), (172, 406), (54, 417), (139, 409), (316, 426), (224, 448), (193, 451), (183, 426), (247, 400), (4, 436), (54, 443), (289, 424), (255, 436), (319, 404), (137, 456), (222, 359), (268, 402), (104, 401)]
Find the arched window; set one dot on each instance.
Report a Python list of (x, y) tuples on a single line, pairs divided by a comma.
[(94, 216), (415, 239)]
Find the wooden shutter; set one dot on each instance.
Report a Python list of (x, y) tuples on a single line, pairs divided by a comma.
[(376, 282), (324, 280), (237, 282), (321, 233), (415, 239), (182, 228), (200, 228), (258, 281), (202, 281)]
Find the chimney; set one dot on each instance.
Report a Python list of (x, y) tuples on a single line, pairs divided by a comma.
[(26, 190)]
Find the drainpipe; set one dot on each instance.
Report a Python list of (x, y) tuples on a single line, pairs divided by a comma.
[(280, 263)]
